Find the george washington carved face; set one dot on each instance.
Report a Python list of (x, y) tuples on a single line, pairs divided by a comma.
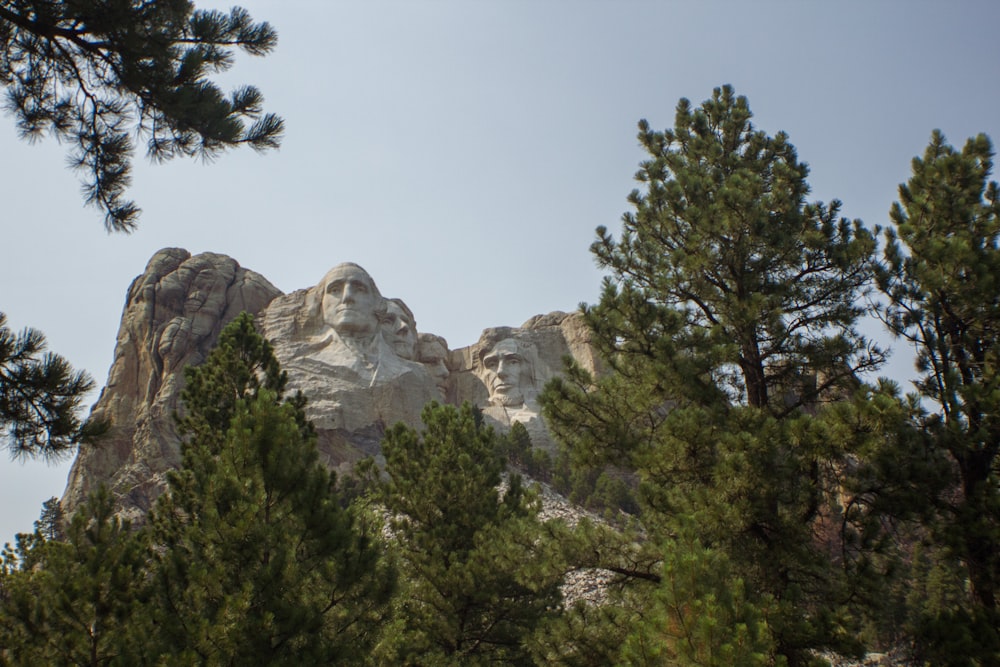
[(350, 301)]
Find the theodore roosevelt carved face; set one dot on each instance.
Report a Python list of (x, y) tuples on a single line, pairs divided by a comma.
[(507, 373), (350, 301), (432, 352)]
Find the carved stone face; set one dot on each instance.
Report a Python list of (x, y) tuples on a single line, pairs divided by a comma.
[(507, 374), (432, 354), (349, 301), (399, 331)]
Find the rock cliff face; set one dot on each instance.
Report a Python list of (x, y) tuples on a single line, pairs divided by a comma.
[(354, 353), (172, 317)]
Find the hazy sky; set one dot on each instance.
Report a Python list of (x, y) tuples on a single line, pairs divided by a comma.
[(463, 152)]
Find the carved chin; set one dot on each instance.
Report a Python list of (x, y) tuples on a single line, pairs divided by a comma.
[(507, 400), (404, 349)]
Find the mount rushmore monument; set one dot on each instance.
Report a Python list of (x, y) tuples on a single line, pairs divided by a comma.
[(355, 353)]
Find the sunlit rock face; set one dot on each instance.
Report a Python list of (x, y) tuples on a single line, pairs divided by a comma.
[(506, 369), (340, 342), (172, 318), (356, 354)]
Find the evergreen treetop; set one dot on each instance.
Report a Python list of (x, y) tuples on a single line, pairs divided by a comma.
[(475, 580), (724, 258)]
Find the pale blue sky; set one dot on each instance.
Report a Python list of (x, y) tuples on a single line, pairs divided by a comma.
[(463, 152)]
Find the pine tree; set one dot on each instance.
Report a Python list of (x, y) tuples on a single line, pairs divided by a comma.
[(942, 276), (72, 602), (724, 261), (40, 396), (51, 522), (94, 74), (699, 615), (728, 323), (474, 581), (255, 560)]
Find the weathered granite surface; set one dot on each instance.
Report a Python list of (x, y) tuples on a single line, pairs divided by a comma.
[(172, 317), (504, 371), (340, 344), (355, 354)]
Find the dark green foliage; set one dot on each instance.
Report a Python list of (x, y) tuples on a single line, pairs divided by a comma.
[(602, 490), (474, 580), (940, 625), (942, 277), (585, 635), (517, 449), (360, 483), (243, 364), (592, 630), (51, 522), (255, 560), (97, 73), (728, 323), (599, 489), (40, 396), (72, 602), (681, 604), (699, 615)]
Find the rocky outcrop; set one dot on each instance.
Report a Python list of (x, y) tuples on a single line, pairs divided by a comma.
[(172, 317), (355, 354)]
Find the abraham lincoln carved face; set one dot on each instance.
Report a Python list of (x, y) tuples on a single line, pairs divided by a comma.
[(507, 373)]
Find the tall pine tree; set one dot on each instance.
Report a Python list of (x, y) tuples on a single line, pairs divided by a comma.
[(728, 321), (474, 582), (255, 560), (942, 278)]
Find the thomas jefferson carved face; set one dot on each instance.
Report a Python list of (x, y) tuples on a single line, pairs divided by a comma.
[(399, 330), (350, 299), (507, 373)]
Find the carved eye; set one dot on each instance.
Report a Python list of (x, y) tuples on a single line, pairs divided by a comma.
[(490, 363), (335, 287)]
